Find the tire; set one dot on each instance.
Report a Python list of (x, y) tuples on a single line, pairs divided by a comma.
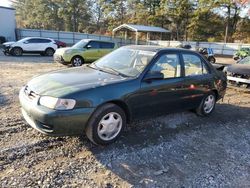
[(49, 52), (207, 105), (236, 58), (101, 134), (17, 51), (77, 61), (6, 53), (211, 59)]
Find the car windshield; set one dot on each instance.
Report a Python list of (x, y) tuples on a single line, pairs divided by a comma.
[(125, 61), (245, 61), (244, 49), (22, 40), (80, 44)]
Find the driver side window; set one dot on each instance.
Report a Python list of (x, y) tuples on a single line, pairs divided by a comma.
[(94, 45), (169, 65)]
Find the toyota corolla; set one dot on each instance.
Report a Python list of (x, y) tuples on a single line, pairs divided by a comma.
[(133, 82)]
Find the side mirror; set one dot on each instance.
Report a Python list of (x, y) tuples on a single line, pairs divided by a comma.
[(154, 75), (88, 46), (26, 42)]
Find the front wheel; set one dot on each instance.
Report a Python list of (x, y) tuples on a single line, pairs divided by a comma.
[(207, 105), (106, 124), (77, 61), (16, 51)]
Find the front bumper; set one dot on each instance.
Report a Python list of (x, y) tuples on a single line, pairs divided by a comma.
[(6, 50), (53, 122), (238, 80), (59, 59)]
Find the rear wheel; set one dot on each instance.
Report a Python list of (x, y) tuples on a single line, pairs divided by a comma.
[(106, 124), (16, 51), (207, 105), (49, 52), (77, 61)]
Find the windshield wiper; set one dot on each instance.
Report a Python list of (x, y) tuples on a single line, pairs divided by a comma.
[(107, 69), (115, 71), (96, 67)]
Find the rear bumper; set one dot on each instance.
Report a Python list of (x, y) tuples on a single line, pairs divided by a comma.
[(54, 122)]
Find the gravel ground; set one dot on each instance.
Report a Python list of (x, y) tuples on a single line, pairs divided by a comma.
[(175, 150)]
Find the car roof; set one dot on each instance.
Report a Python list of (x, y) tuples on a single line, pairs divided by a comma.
[(37, 38), (87, 40), (156, 48)]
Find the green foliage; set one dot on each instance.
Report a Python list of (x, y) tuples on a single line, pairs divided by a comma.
[(199, 20)]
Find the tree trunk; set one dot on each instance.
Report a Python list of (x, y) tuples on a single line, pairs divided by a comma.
[(228, 23)]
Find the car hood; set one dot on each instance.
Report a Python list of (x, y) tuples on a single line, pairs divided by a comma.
[(239, 69), (71, 80), (61, 51), (8, 43)]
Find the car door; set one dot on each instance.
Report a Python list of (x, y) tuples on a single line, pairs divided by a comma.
[(92, 51), (106, 47), (197, 80), (43, 44), (163, 95), (28, 45)]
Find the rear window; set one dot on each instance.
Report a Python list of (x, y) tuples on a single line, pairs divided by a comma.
[(44, 40), (107, 45), (194, 65)]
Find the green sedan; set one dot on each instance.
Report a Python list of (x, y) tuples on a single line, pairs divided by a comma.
[(86, 50), (132, 82)]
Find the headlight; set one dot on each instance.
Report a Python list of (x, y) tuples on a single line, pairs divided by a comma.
[(57, 103)]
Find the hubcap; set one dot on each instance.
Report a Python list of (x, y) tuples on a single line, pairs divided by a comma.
[(50, 52), (209, 104), (109, 126), (17, 51), (77, 62)]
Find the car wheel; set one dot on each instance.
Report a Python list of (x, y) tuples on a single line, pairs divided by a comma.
[(6, 53), (207, 105), (106, 124), (16, 51), (49, 52), (77, 61), (211, 59), (236, 58)]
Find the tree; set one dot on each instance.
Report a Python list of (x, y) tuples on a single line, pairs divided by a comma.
[(205, 23), (179, 13), (242, 33)]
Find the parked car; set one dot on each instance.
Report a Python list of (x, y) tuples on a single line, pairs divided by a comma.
[(239, 74), (133, 82), (86, 50), (60, 44), (241, 53), (43, 46), (208, 53)]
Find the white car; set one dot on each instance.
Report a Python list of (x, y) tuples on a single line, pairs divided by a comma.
[(43, 46)]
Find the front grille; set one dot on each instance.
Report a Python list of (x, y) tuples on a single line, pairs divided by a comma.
[(30, 94), (239, 75)]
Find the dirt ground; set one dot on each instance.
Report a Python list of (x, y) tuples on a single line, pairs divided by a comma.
[(175, 150)]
